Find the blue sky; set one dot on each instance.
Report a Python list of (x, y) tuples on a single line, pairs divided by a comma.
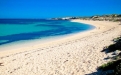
[(57, 8)]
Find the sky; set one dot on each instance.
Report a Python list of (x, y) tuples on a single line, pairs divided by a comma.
[(57, 8)]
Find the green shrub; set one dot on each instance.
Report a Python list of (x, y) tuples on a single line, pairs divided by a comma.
[(117, 70), (107, 66), (110, 65), (118, 45), (118, 57), (112, 48), (113, 67)]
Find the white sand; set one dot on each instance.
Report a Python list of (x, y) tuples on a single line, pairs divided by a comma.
[(73, 55)]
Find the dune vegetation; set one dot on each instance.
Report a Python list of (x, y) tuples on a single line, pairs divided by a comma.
[(114, 66), (109, 17)]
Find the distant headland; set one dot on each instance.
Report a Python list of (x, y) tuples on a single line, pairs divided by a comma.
[(108, 17)]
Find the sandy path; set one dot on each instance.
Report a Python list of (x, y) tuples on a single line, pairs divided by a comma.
[(76, 55)]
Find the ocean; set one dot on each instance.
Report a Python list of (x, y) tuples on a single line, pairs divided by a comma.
[(12, 30)]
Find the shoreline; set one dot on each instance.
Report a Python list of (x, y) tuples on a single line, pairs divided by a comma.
[(14, 47), (80, 51)]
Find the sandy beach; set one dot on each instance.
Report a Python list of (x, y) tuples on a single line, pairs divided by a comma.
[(76, 54)]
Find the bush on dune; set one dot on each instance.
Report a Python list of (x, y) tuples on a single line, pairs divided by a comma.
[(118, 45), (110, 65), (113, 47), (117, 70), (117, 39), (117, 57), (111, 68), (115, 64)]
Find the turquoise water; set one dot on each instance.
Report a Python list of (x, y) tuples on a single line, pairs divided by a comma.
[(12, 30), (7, 29)]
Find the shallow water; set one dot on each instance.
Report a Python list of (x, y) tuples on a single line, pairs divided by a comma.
[(12, 30)]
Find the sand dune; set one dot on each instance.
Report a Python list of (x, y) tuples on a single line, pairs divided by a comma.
[(76, 54)]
